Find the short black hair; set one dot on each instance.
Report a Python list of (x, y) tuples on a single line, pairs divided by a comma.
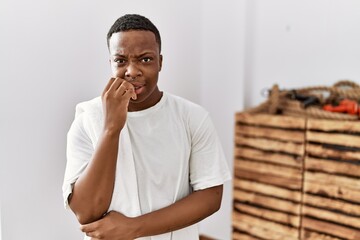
[(134, 22)]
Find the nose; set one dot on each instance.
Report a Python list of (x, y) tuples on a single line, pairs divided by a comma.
[(132, 71)]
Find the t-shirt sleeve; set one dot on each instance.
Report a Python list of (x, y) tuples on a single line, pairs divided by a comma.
[(208, 166), (79, 151)]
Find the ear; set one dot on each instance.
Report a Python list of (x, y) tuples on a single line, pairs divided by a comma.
[(160, 62)]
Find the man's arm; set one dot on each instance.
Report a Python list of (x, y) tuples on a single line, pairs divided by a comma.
[(185, 212), (92, 192)]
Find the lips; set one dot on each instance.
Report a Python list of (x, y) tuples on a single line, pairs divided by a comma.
[(138, 87)]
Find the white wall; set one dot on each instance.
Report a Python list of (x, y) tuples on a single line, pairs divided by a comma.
[(222, 76), (0, 223), (300, 43), (53, 55)]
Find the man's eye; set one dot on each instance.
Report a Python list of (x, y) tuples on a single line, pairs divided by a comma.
[(147, 59), (120, 61)]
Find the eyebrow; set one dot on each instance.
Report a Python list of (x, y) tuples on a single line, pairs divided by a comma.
[(141, 55)]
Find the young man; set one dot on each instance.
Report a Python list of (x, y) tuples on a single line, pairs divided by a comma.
[(141, 163)]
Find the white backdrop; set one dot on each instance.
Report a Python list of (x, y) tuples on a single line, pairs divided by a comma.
[(53, 55), (218, 53), (300, 43)]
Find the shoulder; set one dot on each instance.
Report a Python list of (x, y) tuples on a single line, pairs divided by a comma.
[(91, 107), (88, 116)]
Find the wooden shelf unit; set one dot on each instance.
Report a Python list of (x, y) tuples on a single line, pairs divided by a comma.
[(296, 178)]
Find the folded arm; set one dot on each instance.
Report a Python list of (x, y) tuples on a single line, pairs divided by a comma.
[(92, 192), (185, 212)]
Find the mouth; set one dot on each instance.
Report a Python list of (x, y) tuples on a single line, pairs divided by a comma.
[(138, 88)]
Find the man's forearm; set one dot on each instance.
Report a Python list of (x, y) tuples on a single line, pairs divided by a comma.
[(92, 192), (183, 213)]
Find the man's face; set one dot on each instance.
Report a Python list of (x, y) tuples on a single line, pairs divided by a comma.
[(135, 57)]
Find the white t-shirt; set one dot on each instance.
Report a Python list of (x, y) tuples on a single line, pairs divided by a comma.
[(176, 151)]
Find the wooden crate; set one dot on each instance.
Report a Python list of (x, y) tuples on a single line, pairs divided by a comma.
[(331, 199), (268, 169), (296, 178)]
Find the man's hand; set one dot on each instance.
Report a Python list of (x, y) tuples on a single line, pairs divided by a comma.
[(181, 214), (115, 98), (112, 226)]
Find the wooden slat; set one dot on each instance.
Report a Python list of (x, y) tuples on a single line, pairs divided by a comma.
[(330, 228), (332, 166), (270, 230), (284, 218), (323, 152), (283, 159), (270, 120), (328, 203), (272, 133), (260, 232), (310, 235), (333, 138), (351, 183), (331, 216), (267, 202), (270, 179), (333, 125), (276, 170), (332, 191), (267, 189), (242, 236), (273, 145)]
